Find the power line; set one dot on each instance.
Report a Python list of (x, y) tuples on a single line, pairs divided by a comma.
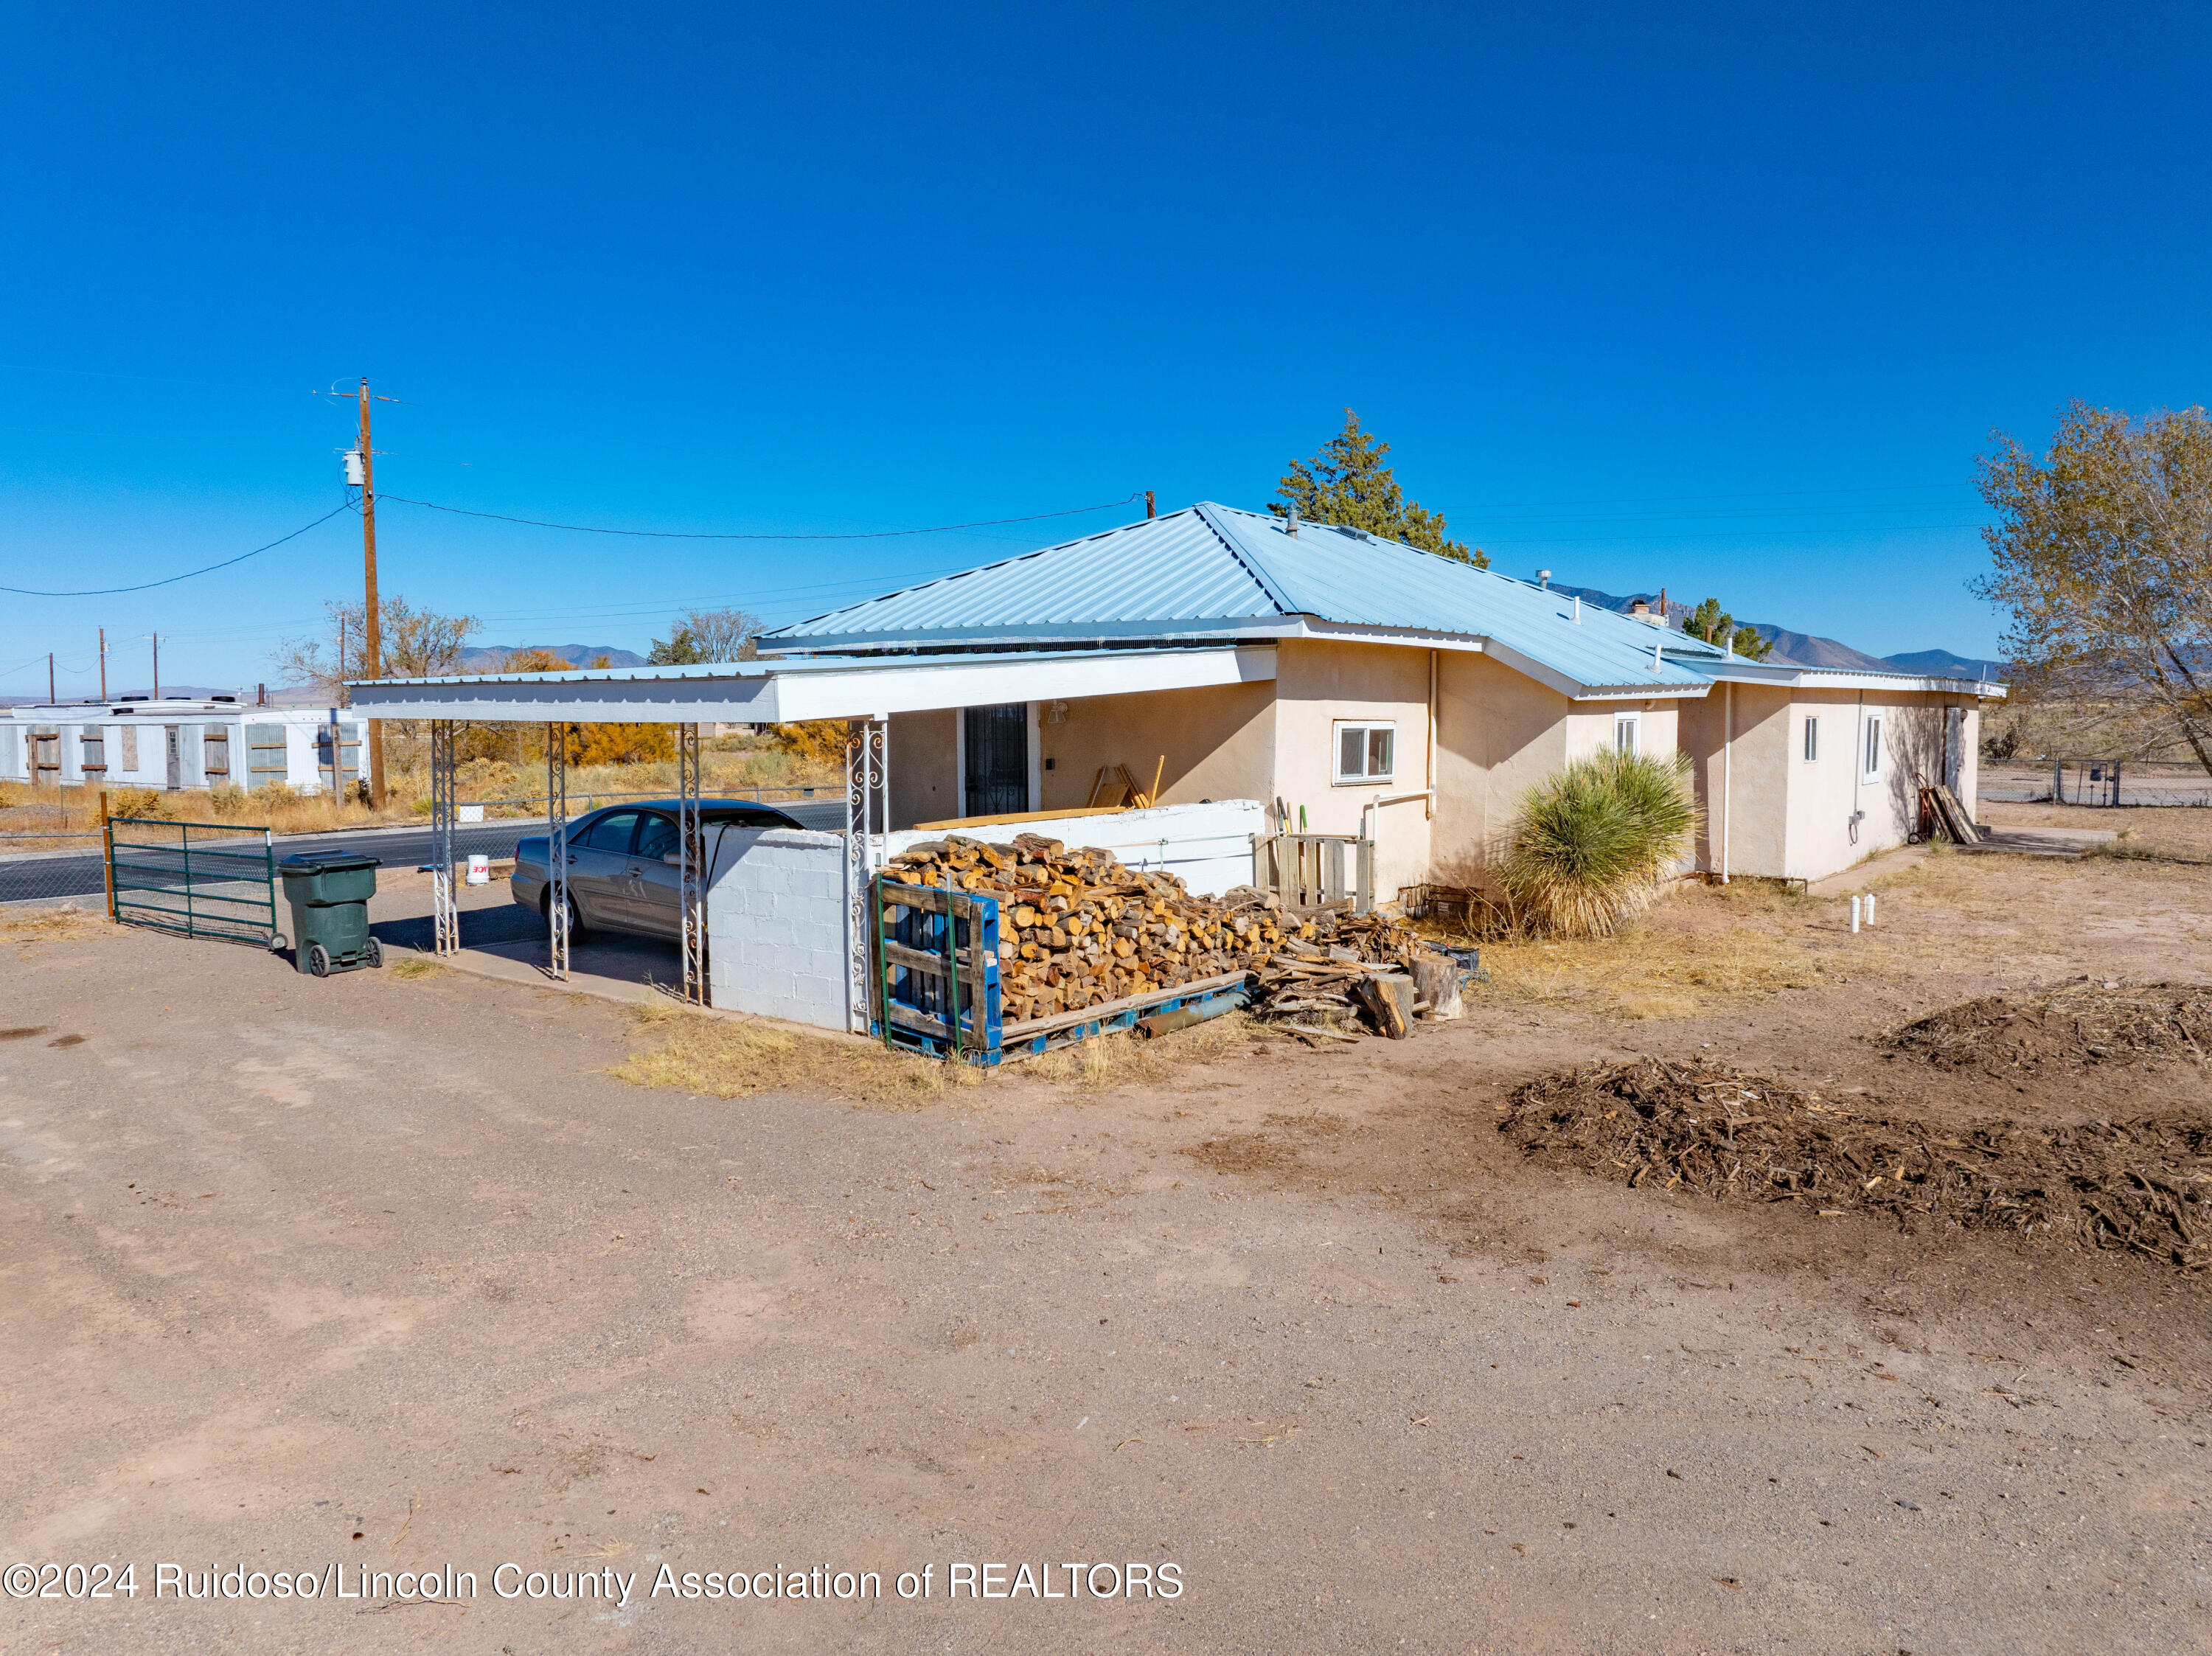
[(691, 535), (171, 581)]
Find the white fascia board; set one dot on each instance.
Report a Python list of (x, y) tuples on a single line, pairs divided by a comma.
[(1575, 690), (913, 684), (1847, 678), (769, 694)]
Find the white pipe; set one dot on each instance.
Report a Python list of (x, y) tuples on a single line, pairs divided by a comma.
[(1727, 776), (1855, 917), (1430, 777), (1869, 908)]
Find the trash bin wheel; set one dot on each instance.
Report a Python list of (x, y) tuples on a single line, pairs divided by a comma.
[(374, 952), (277, 945), (318, 959)]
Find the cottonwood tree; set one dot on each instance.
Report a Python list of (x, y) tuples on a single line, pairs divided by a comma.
[(2102, 555), (1716, 626), (411, 643), (704, 636), (1347, 483)]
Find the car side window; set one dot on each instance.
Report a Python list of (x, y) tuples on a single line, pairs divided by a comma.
[(657, 838), (612, 832)]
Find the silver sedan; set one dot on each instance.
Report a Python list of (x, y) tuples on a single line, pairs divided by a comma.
[(624, 871)]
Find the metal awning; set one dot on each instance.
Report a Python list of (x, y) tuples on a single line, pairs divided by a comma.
[(818, 687)]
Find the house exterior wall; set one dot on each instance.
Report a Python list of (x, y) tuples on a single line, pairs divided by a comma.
[(1784, 815), (1318, 683), (1218, 743), (923, 752)]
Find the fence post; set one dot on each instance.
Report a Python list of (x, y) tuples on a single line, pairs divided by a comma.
[(107, 866)]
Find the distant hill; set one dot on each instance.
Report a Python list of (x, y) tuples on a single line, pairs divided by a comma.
[(1941, 664), (1808, 649), (487, 657)]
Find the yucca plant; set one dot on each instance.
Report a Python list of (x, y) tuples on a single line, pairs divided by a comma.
[(1593, 845)]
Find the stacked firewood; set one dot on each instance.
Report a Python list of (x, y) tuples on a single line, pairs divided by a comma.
[(1076, 929)]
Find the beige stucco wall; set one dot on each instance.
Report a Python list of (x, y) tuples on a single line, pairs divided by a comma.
[(1317, 684), (924, 777), (1214, 743), (1784, 815)]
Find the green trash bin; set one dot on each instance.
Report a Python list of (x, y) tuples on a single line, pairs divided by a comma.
[(329, 892)]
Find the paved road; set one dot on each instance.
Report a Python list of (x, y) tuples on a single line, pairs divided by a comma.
[(24, 879)]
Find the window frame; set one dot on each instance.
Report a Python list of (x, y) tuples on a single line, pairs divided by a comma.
[(1367, 727), (1811, 751), (1870, 748), (1632, 721)]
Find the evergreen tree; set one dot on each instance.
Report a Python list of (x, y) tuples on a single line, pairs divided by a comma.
[(1716, 626), (1347, 483)]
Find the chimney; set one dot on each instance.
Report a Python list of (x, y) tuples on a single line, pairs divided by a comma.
[(1639, 609), (1293, 523), (1152, 509)]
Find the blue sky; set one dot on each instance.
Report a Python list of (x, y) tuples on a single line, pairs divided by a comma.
[(1726, 299)]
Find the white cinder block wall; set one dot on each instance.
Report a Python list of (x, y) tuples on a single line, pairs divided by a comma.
[(777, 925)]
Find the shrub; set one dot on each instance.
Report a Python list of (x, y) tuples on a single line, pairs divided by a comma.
[(134, 802), (227, 799), (275, 794), (1591, 845)]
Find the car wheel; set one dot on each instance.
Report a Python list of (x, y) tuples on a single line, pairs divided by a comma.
[(318, 959), (577, 931)]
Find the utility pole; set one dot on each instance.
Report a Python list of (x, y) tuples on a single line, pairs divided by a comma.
[(103, 663), (51, 698), (371, 628), (156, 637)]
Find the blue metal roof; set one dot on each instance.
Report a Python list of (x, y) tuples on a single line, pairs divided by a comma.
[(1216, 572)]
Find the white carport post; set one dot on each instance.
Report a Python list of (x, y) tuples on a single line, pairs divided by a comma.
[(692, 882), (556, 851), (444, 912), (867, 840)]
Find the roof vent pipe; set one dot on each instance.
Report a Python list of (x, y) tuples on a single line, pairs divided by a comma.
[(1294, 522), (1578, 609), (1544, 580)]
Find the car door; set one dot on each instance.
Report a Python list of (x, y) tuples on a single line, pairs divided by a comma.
[(654, 886), (599, 865)]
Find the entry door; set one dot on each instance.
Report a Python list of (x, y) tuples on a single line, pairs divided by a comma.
[(996, 778), (1954, 749), (176, 772)]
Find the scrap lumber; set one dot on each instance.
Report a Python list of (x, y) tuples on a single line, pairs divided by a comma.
[(1956, 822)]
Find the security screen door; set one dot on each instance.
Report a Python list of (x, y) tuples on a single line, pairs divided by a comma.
[(997, 779)]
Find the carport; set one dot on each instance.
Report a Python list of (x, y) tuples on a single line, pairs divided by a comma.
[(864, 691)]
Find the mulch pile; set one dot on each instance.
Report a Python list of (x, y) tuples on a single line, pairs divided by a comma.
[(2144, 1184), (2077, 1026)]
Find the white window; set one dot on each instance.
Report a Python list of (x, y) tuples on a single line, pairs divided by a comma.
[(1628, 733), (1873, 757), (1812, 740), (1365, 753)]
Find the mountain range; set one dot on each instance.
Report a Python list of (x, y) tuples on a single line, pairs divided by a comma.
[(1810, 649), (487, 657)]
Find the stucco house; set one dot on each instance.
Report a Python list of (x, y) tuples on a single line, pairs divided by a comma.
[(1381, 689)]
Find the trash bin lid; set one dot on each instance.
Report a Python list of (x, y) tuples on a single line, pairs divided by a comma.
[(326, 862)]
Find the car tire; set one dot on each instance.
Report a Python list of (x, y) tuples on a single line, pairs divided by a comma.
[(577, 931)]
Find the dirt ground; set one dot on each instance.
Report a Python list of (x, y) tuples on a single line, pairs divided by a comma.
[(391, 1271)]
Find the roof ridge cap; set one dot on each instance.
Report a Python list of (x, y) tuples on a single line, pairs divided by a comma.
[(1246, 559)]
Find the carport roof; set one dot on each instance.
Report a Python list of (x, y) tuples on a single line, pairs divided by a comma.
[(818, 687)]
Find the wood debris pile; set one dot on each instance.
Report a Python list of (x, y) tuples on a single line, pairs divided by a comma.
[(2144, 1184), (2076, 1026), (1078, 929)]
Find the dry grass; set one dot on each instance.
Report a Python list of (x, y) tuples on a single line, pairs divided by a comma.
[(56, 926), (1650, 971), (416, 966), (1106, 1062), (738, 1058)]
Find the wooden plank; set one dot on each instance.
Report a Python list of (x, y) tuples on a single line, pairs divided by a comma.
[(906, 1018), (1021, 816), (930, 900), (1203, 986), (1955, 818)]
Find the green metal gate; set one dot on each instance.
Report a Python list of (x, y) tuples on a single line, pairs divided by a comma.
[(200, 879)]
